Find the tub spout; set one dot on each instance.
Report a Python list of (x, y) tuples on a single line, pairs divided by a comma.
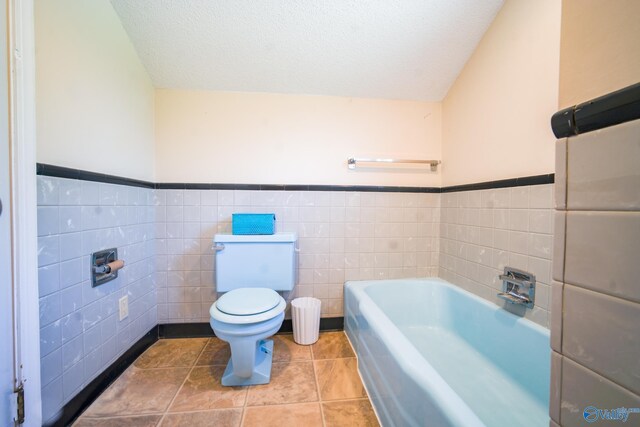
[(518, 287)]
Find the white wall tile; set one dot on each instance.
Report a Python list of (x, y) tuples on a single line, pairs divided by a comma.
[(47, 191), (561, 174), (582, 387), (541, 197), (52, 400), (70, 191), (602, 171), (70, 246), (584, 328), (484, 231), (519, 197), (48, 220), (556, 386), (597, 245)]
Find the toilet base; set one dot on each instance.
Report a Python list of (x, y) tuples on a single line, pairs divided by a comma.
[(261, 370)]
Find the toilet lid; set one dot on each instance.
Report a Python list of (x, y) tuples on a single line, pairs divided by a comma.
[(248, 301)]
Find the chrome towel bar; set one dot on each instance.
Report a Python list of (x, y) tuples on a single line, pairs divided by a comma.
[(352, 162)]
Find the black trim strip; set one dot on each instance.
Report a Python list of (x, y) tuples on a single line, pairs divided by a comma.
[(185, 330), (95, 388), (200, 330), (62, 172), (296, 187), (503, 183), (326, 324), (614, 108)]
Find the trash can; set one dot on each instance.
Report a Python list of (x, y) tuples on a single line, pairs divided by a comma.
[(306, 320)]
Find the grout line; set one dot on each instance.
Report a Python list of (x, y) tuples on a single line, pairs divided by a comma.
[(352, 399), (163, 415), (197, 411), (244, 406), (318, 390), (163, 368), (596, 373), (193, 365), (111, 417)]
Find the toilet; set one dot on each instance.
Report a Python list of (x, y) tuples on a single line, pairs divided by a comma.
[(250, 269)]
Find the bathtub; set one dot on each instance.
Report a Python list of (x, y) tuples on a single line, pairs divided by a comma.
[(432, 354)]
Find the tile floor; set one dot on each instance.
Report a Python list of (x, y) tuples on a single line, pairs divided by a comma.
[(176, 382)]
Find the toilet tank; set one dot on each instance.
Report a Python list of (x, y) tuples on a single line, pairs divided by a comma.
[(262, 261)]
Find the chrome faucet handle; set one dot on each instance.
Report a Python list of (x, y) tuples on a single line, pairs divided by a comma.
[(518, 287), (514, 280)]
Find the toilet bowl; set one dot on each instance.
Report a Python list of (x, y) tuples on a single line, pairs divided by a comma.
[(244, 318), (249, 270)]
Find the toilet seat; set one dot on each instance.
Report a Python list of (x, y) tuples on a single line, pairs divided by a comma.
[(264, 303), (248, 301)]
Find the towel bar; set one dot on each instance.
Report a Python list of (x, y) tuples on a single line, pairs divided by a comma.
[(352, 162)]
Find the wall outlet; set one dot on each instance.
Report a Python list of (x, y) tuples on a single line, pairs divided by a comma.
[(124, 307)]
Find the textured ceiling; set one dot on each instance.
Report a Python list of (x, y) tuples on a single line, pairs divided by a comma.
[(398, 49)]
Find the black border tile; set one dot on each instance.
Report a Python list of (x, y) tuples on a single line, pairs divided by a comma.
[(203, 329), (185, 330), (62, 172), (326, 324), (614, 108), (503, 183), (81, 401)]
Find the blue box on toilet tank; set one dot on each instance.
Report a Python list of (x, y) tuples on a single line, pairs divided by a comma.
[(253, 223)]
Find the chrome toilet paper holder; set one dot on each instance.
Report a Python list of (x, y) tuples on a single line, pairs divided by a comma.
[(104, 266)]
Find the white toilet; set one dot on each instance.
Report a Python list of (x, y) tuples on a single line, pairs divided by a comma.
[(250, 269)]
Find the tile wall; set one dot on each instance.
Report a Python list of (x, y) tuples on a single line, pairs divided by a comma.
[(595, 327), (165, 237), (342, 236), (483, 231), (80, 332)]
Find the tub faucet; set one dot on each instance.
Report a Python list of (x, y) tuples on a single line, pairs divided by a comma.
[(518, 287)]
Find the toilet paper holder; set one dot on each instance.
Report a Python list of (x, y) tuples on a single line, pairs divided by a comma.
[(104, 266)]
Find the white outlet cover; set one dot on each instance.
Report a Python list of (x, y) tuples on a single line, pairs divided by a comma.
[(124, 307)]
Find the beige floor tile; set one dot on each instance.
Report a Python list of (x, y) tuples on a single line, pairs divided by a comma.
[(143, 421), (202, 391), (352, 413), (166, 375), (172, 353), (286, 349), (339, 379), (332, 345), (297, 414), (139, 391), (217, 418), (216, 352), (292, 382)]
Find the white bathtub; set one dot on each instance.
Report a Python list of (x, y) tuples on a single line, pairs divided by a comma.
[(432, 354)]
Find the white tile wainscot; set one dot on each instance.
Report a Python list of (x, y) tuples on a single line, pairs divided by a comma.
[(483, 231), (342, 236), (80, 333), (166, 237)]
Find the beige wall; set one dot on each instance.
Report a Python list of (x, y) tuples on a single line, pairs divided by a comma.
[(291, 139), (94, 97), (496, 115), (600, 48)]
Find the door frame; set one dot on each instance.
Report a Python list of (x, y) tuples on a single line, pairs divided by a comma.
[(24, 245)]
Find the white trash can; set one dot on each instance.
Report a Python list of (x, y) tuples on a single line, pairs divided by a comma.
[(306, 320)]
